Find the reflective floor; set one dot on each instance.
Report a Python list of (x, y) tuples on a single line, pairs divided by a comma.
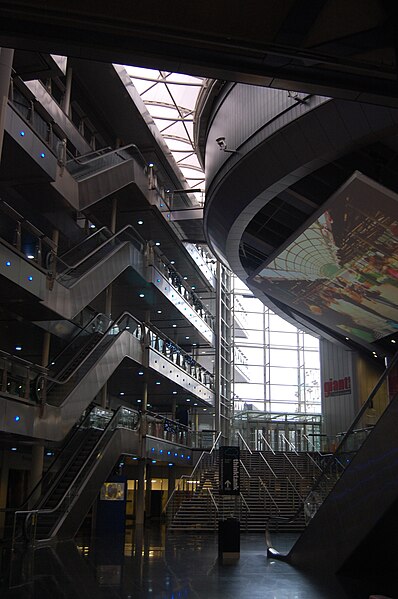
[(153, 564)]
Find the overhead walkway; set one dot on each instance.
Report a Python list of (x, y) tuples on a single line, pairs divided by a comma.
[(50, 405), (355, 493)]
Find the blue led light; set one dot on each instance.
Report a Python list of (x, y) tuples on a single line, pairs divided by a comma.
[(152, 449), (22, 133), (42, 155), (161, 451), (17, 418), (8, 263), (188, 457), (158, 280), (182, 455), (169, 453), (176, 455), (30, 278)]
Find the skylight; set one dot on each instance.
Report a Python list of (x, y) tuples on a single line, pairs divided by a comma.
[(170, 99)]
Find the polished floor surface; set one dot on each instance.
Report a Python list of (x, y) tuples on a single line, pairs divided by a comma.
[(153, 564)]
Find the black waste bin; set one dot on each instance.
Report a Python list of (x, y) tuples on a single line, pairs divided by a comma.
[(229, 538)]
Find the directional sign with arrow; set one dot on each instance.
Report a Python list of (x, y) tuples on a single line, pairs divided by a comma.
[(229, 470)]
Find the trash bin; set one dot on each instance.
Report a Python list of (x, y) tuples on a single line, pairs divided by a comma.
[(229, 538)]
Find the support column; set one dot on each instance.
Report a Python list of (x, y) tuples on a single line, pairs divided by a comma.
[(217, 364), (6, 58), (140, 500), (108, 298), (67, 94), (148, 491)]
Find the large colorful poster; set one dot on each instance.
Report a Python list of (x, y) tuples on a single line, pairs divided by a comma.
[(343, 269)]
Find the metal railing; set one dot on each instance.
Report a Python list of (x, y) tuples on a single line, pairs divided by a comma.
[(104, 243), (177, 281), (18, 376), (84, 166), (176, 497), (23, 236), (108, 422)]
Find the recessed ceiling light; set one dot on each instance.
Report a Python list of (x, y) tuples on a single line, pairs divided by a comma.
[(188, 399), (174, 392), (140, 222), (30, 256), (172, 261), (158, 382), (174, 326), (393, 341), (18, 348), (157, 243), (186, 337), (138, 401), (185, 278), (195, 404), (159, 311), (140, 372), (121, 393), (142, 295)]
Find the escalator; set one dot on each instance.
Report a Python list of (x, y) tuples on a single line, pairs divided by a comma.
[(81, 274), (64, 395), (356, 492), (62, 498), (105, 172)]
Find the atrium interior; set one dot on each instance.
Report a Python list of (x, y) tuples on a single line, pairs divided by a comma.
[(198, 306)]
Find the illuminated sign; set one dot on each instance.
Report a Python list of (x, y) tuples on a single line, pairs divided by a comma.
[(337, 387)]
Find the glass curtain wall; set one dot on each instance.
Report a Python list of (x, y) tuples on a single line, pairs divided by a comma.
[(282, 362)]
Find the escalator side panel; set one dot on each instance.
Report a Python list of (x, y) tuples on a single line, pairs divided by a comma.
[(364, 492), (68, 302), (54, 422), (123, 441)]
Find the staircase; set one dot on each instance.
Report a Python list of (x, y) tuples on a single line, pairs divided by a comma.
[(271, 485)]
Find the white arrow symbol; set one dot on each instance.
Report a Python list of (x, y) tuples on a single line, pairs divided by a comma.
[(227, 484)]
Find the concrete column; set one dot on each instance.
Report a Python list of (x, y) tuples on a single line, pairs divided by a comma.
[(67, 94), (171, 481), (108, 298), (148, 491), (6, 58), (140, 498)]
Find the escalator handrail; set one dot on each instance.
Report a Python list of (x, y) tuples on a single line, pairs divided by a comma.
[(78, 426), (70, 267), (82, 242), (100, 341), (85, 328), (114, 151), (95, 449), (78, 158)]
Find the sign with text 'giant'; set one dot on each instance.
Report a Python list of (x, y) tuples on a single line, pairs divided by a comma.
[(229, 470)]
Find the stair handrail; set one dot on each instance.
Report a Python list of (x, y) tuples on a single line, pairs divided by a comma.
[(244, 501), (78, 426), (291, 463), (266, 442), (100, 341), (312, 445), (114, 419), (313, 461), (264, 486), (292, 447), (245, 469), (244, 443), (294, 489), (269, 466), (213, 500), (187, 476), (114, 151), (52, 256)]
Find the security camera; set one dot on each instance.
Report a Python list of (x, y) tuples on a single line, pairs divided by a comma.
[(221, 142)]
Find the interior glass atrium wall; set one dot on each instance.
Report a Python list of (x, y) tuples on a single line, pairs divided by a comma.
[(280, 361)]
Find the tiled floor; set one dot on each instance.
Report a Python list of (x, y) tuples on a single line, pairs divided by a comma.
[(154, 564)]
